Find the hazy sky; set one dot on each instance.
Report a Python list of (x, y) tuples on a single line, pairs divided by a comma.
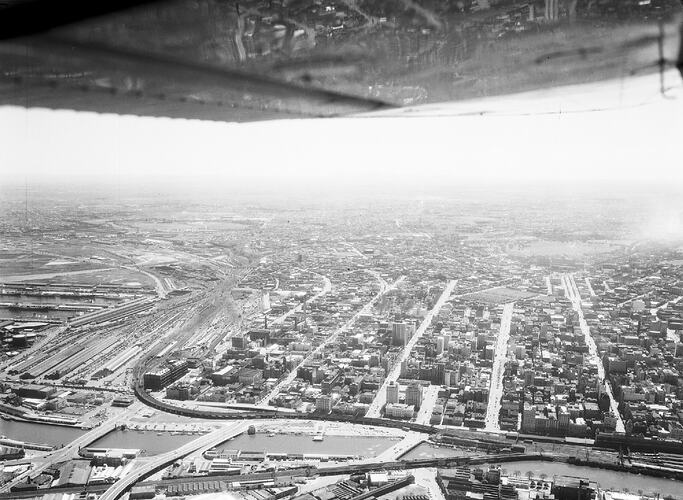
[(633, 142)]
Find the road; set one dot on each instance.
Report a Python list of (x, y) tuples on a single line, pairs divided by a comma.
[(206, 441), (331, 338), (409, 441), (642, 295), (573, 294), (158, 285), (429, 396), (326, 289), (590, 287), (654, 310), (381, 397), (499, 360), (427, 479)]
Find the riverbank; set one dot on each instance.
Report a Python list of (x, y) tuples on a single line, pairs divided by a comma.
[(604, 461), (606, 479), (37, 432), (594, 464)]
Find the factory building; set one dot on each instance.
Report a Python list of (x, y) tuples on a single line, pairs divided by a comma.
[(160, 378)]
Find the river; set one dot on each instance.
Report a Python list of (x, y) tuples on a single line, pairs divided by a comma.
[(607, 479), (153, 443), (39, 433)]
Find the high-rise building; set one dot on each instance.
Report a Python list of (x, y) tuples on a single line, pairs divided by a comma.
[(414, 395), (392, 393), (400, 333), (446, 342), (160, 378), (528, 418), (439, 345), (442, 343), (323, 404), (239, 342), (552, 10)]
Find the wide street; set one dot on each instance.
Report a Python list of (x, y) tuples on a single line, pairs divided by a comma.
[(575, 297), (498, 370), (381, 397), (293, 373)]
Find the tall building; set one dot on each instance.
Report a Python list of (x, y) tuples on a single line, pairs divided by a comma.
[(323, 404), (439, 345), (446, 342), (392, 393), (552, 9), (400, 334), (528, 418), (239, 342), (160, 378), (447, 375), (414, 395)]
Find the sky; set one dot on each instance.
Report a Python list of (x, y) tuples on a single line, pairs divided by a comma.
[(635, 141)]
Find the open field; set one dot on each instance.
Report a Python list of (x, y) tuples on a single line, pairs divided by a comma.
[(500, 295)]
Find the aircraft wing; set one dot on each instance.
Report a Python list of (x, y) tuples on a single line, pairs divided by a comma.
[(269, 59)]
